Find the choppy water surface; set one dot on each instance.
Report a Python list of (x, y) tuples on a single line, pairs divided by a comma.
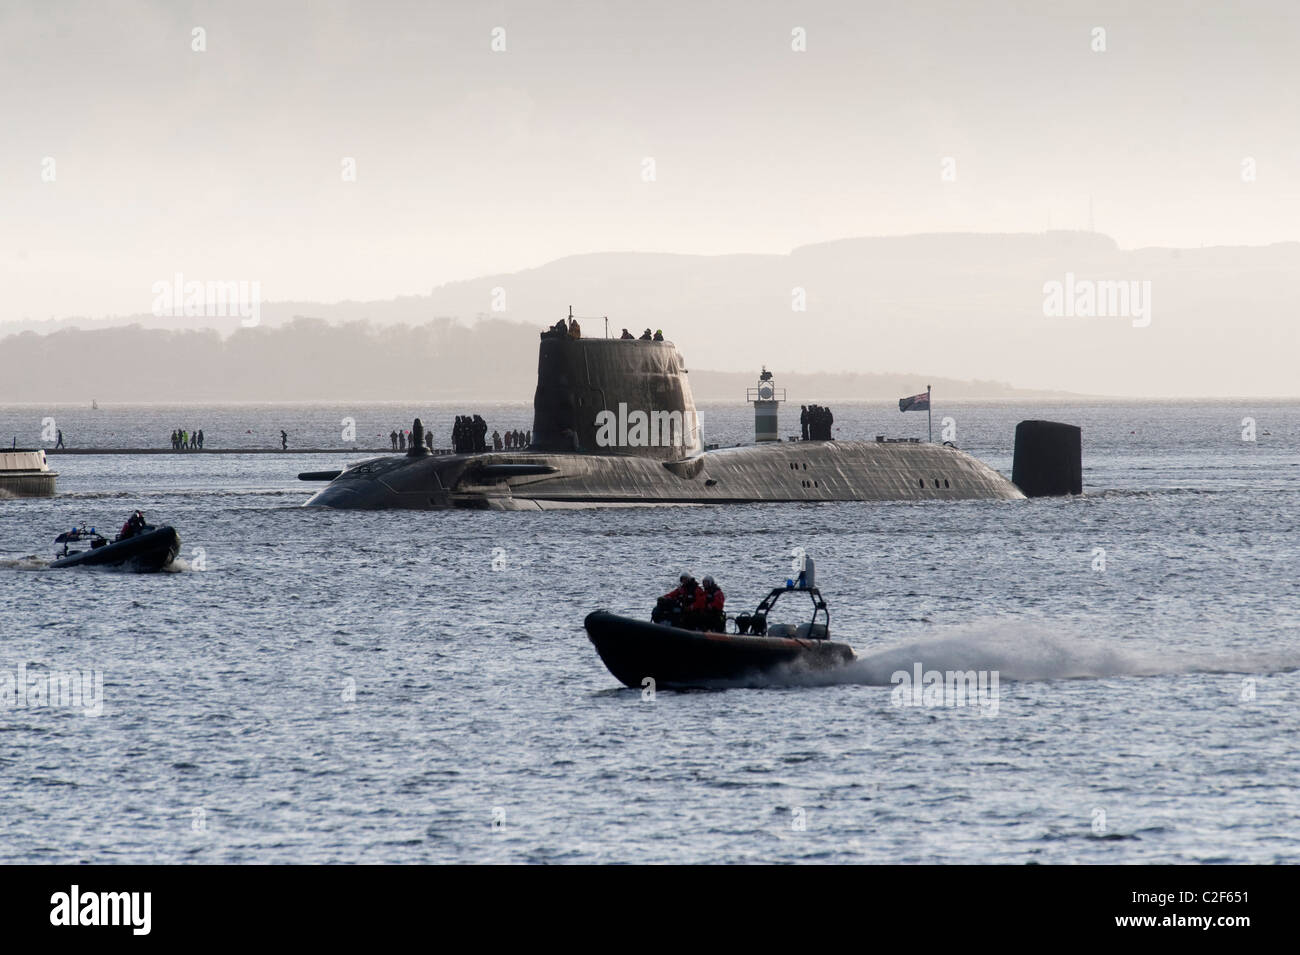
[(1146, 712)]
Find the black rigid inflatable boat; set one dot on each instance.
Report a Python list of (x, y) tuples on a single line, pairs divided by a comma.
[(147, 550), (636, 651)]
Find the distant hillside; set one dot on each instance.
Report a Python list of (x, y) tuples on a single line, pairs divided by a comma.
[(803, 388), (960, 306), (312, 360)]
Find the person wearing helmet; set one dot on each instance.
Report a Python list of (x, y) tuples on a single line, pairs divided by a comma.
[(707, 609), (134, 525), (676, 606), (659, 334)]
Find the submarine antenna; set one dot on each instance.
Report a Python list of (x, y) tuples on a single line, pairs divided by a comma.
[(929, 415)]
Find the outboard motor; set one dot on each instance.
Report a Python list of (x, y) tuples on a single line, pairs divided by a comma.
[(1048, 459)]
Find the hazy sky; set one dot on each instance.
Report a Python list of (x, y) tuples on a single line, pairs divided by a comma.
[(226, 164)]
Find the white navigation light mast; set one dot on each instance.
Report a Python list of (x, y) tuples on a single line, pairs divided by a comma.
[(766, 398)]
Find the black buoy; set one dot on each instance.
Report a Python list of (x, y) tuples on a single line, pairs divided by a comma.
[(1048, 459)]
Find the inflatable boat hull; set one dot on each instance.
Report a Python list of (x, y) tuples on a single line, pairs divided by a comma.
[(635, 650), (144, 553)]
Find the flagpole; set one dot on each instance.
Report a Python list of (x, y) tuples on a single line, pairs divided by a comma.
[(929, 418)]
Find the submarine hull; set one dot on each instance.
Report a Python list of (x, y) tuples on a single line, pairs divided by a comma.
[(636, 651), (615, 424), (790, 472)]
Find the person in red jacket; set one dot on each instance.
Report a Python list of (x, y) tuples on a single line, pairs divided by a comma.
[(677, 606), (134, 525), (707, 608)]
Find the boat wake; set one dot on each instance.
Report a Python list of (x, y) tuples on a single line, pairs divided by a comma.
[(1031, 651), (24, 563)]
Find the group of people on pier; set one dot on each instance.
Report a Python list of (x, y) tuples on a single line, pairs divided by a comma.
[(511, 440), (187, 440), (409, 439)]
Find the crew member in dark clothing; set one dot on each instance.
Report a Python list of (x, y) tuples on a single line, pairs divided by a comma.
[(659, 335), (392, 436), (284, 440), (626, 336), (646, 336), (819, 423)]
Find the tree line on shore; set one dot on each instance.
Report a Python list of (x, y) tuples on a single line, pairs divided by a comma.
[(306, 359), (311, 359)]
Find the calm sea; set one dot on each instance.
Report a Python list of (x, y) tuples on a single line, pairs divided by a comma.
[(416, 687)]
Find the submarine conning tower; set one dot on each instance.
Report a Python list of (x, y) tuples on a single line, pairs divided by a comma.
[(613, 396)]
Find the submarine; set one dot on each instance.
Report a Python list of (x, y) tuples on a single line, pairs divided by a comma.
[(615, 425)]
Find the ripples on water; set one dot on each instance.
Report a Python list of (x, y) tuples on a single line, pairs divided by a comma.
[(1160, 693)]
